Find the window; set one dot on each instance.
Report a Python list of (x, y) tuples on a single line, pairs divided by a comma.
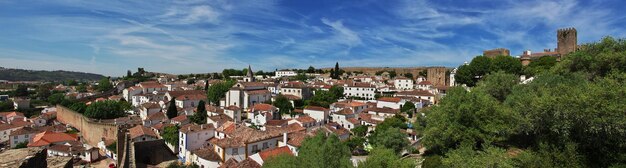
[(15, 137), (265, 145), (235, 151), (26, 135), (255, 148)]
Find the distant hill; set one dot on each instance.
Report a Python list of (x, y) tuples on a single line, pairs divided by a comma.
[(36, 75)]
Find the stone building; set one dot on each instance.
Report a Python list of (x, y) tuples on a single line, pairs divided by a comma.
[(437, 76), (496, 52)]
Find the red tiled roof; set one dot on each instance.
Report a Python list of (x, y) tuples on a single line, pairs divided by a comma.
[(382, 110), (361, 85), (46, 138), (157, 116), (194, 128), (140, 130), (305, 119), (390, 99), (266, 154), (191, 97), (415, 93), (345, 111), (262, 107), (353, 121), (207, 154), (296, 138), (317, 108), (180, 118), (276, 122)]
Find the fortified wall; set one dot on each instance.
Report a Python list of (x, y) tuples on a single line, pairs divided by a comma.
[(92, 130)]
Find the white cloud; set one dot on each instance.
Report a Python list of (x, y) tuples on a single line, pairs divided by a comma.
[(347, 36)]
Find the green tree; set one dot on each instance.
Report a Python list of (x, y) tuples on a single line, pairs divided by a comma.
[(170, 135), (466, 156), (391, 138), (72, 82), (355, 142), (471, 117), (172, 110), (21, 91), (464, 75), (598, 59), (56, 98), (311, 69), (324, 152), (21, 145), (481, 65), (507, 64), (336, 74), (498, 84), (282, 161), (408, 108), (360, 131), (550, 156), (81, 88), (107, 109), (200, 116), (44, 91), (79, 107), (424, 73), (104, 84), (383, 157), (218, 91), (540, 65), (337, 91), (283, 104), (408, 75), (392, 74)]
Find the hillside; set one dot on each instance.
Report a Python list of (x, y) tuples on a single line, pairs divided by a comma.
[(37, 75)]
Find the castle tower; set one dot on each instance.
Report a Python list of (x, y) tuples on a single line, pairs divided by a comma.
[(437, 76), (566, 40)]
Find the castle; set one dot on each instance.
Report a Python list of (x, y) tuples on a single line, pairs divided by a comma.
[(567, 42)]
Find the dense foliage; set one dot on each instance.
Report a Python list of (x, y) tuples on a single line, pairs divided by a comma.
[(383, 157), (200, 116), (283, 104), (172, 110), (317, 151), (218, 91), (570, 115), (170, 135), (325, 98), (107, 109), (480, 66)]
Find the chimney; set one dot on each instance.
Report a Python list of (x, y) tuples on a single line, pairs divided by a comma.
[(285, 138)]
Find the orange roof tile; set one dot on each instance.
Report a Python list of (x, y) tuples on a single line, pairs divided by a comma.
[(46, 138), (390, 99), (140, 130)]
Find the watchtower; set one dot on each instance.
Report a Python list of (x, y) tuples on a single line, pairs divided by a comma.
[(566, 40)]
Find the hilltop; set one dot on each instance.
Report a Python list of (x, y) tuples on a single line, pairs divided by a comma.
[(41, 75)]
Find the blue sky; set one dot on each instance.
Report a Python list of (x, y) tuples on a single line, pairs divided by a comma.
[(110, 37)]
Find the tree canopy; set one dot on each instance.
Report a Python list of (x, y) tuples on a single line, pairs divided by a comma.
[(317, 151), (218, 91), (107, 109), (283, 104)]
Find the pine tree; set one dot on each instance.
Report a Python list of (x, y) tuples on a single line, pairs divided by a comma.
[(172, 111), (337, 70)]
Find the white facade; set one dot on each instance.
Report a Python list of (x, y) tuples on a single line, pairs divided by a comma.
[(279, 74), (320, 116), (17, 139), (403, 84), (367, 93), (192, 140)]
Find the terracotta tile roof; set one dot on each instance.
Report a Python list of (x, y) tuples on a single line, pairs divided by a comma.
[(262, 107), (21, 123), (348, 103), (293, 85), (161, 126), (345, 111), (180, 118), (276, 122), (195, 128), (316, 108), (382, 110), (220, 118), (269, 153), (354, 121), (368, 118), (74, 149), (214, 109), (157, 116), (227, 128), (46, 138), (140, 130), (257, 92), (151, 84), (298, 111), (24, 130), (207, 154), (390, 99), (296, 138), (425, 83), (291, 97), (11, 114), (336, 129), (230, 163), (305, 119), (150, 105), (243, 135), (415, 93), (179, 93), (191, 97)]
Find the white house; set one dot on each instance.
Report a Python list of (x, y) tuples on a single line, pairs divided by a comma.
[(298, 89), (282, 73), (246, 94), (192, 137), (148, 109), (22, 135), (420, 94), (365, 91), (259, 114), (320, 114), (403, 83), (390, 102)]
